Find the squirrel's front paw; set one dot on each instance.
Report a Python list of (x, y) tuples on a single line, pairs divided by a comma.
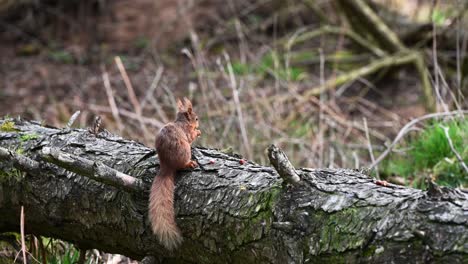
[(198, 132), (191, 164)]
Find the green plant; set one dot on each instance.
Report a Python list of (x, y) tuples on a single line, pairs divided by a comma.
[(429, 154), (8, 126), (69, 256), (61, 56), (270, 64), (28, 136), (142, 42)]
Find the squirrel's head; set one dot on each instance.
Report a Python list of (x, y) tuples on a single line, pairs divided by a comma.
[(186, 113)]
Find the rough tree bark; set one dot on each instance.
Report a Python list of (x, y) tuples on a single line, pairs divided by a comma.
[(228, 211)]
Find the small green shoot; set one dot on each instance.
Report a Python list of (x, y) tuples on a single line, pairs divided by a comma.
[(8, 126), (28, 136), (142, 42), (61, 56), (270, 64)]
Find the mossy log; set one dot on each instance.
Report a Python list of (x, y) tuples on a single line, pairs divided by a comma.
[(229, 211)]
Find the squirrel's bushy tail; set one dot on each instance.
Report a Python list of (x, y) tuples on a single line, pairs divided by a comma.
[(161, 210)]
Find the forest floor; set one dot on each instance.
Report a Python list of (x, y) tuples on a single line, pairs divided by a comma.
[(230, 60)]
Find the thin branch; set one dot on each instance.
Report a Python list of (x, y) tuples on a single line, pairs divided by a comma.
[(235, 95), (360, 14), (23, 243), (132, 96), (150, 94), (131, 92), (104, 109), (398, 59), (429, 100), (72, 119), (111, 100), (20, 162), (369, 146), (338, 31), (95, 170)]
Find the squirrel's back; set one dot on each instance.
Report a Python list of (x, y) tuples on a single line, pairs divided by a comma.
[(172, 146)]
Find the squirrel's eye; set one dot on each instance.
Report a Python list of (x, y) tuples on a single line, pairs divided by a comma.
[(196, 118)]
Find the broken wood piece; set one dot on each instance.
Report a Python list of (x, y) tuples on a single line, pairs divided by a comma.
[(283, 166)]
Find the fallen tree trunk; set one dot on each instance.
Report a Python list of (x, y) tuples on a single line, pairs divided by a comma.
[(228, 211)]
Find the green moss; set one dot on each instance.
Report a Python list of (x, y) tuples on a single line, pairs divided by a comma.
[(258, 218), (20, 150), (28, 136), (369, 251), (336, 232), (8, 126)]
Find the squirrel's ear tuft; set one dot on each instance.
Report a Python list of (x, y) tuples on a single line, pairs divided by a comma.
[(188, 104), (180, 105)]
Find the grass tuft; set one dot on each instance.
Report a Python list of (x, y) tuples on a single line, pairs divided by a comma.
[(429, 154)]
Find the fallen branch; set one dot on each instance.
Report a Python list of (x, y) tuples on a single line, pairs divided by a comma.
[(228, 210), (392, 60)]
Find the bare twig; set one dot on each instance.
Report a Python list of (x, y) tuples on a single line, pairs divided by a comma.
[(435, 62), (20, 162), (150, 95), (132, 96), (23, 243), (111, 100), (356, 160), (369, 146), (407, 127), (235, 95), (128, 84), (122, 112), (72, 119), (153, 86), (460, 159)]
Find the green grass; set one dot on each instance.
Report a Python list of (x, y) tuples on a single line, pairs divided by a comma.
[(70, 256), (429, 154), (54, 251), (61, 56), (270, 64)]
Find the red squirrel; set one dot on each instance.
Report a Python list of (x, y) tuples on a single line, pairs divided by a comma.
[(173, 144)]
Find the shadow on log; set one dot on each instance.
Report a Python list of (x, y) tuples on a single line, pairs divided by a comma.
[(228, 211)]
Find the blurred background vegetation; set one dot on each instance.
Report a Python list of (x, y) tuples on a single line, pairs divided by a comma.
[(331, 82)]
